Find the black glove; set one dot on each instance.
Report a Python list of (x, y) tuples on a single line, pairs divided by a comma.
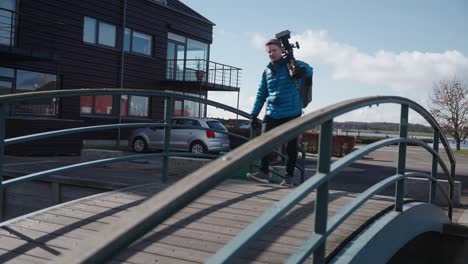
[(299, 72), (255, 122)]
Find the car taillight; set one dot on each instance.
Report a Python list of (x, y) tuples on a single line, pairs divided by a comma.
[(210, 134)]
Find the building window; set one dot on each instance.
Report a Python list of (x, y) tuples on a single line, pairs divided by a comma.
[(137, 42), (28, 81), (20, 81), (86, 104), (188, 108), (7, 73), (7, 76), (99, 104), (132, 105), (186, 58), (107, 33), (7, 22), (98, 32), (89, 30)]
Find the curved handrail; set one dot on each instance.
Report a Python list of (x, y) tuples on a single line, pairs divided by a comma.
[(161, 206), (290, 200), (10, 98), (86, 164), (307, 248), (68, 131)]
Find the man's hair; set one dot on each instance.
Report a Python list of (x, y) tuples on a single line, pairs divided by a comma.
[(274, 41)]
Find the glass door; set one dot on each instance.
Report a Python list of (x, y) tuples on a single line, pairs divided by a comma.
[(175, 61)]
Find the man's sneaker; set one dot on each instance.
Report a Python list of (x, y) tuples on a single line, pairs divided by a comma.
[(288, 181), (259, 176)]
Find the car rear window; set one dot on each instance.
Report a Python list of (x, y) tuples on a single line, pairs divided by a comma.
[(215, 125)]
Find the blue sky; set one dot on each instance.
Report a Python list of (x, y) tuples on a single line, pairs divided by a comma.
[(357, 48)]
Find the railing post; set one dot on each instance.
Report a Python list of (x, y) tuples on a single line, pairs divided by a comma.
[(452, 175), (303, 158), (222, 76), (12, 28), (433, 186), (2, 152), (321, 203), (400, 185), (56, 190), (167, 137), (215, 72)]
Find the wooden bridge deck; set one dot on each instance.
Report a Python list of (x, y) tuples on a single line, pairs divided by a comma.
[(191, 235)]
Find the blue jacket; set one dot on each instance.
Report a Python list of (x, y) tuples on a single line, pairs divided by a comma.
[(278, 90)]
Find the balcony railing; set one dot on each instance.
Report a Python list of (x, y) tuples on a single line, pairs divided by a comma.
[(209, 72), (7, 27)]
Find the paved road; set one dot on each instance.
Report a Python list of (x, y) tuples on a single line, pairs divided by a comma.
[(383, 162)]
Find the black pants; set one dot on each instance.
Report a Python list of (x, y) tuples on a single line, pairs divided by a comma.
[(291, 150)]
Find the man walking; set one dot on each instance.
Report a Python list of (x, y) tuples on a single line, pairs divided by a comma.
[(283, 103)]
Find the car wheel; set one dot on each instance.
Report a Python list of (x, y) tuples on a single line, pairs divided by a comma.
[(198, 147), (139, 145)]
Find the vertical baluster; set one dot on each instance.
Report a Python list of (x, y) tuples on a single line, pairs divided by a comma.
[(452, 175), (222, 75), (400, 185), (303, 160), (321, 201), (12, 28), (167, 137), (2, 150), (433, 186), (215, 72)]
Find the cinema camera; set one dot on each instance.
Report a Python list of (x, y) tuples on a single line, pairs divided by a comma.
[(305, 88), (288, 55)]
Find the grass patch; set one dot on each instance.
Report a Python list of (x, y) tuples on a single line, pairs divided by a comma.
[(462, 152), (241, 173), (387, 132)]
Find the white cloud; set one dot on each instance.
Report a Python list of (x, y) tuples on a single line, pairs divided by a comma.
[(259, 40), (401, 71), (409, 74)]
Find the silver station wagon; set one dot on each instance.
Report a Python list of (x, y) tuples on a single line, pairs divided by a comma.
[(183, 139)]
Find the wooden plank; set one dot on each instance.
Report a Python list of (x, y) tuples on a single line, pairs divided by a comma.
[(224, 230), (68, 221), (195, 232), (184, 248), (162, 231), (138, 257), (20, 246), (37, 236), (68, 231), (11, 257)]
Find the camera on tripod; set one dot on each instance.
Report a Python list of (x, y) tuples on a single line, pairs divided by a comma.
[(297, 73), (288, 54)]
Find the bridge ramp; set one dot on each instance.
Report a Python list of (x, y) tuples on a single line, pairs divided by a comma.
[(191, 235)]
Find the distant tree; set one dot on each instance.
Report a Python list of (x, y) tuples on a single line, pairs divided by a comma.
[(450, 108)]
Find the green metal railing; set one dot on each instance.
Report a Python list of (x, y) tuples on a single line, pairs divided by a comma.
[(156, 209), (9, 99)]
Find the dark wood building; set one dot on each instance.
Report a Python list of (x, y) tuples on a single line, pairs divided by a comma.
[(63, 44)]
